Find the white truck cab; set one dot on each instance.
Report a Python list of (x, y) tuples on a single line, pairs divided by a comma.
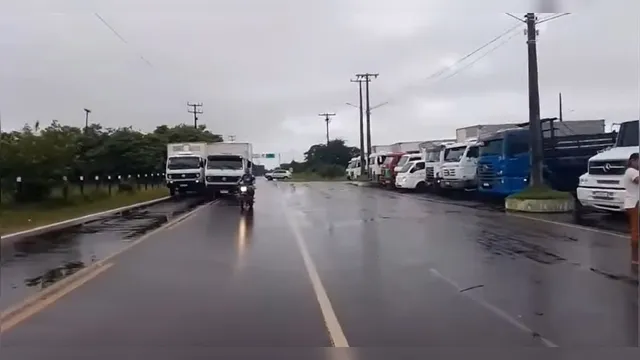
[(226, 163), (433, 155), (185, 167), (412, 176), (460, 164), (601, 188), (354, 169), (409, 156), (375, 162)]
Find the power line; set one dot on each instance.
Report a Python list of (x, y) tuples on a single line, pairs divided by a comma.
[(552, 17), (467, 56), (115, 32), (468, 65)]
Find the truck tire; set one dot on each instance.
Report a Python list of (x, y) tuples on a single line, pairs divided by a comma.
[(172, 191), (421, 187)]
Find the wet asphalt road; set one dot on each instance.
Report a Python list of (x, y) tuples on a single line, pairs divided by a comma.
[(398, 271)]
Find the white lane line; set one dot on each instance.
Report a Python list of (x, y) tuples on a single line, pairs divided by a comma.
[(574, 226), (338, 339), (497, 311)]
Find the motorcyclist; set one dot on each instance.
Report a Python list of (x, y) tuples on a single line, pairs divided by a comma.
[(247, 179)]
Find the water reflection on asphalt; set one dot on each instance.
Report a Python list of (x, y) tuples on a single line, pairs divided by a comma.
[(35, 263)]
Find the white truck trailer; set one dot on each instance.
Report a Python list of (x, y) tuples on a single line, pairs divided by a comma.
[(185, 167), (225, 164)]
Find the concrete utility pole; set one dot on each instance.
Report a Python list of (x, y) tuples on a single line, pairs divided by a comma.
[(362, 149), (195, 110), (86, 119), (327, 119), (535, 129), (367, 79), (560, 107)]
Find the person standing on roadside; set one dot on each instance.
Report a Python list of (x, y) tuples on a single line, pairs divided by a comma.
[(631, 198)]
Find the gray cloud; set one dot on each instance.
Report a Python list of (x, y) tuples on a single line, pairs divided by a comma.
[(265, 69)]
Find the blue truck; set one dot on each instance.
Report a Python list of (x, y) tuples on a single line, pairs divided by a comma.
[(505, 163)]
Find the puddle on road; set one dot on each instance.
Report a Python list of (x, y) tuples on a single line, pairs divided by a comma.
[(499, 244), (54, 275), (48, 258)]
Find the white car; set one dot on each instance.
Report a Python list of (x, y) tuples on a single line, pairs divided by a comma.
[(278, 175)]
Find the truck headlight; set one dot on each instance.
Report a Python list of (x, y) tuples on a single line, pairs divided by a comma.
[(583, 180), (243, 188)]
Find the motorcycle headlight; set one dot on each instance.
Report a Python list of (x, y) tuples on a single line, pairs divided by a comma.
[(243, 188)]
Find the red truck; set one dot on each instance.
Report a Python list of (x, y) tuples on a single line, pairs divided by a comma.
[(388, 178)]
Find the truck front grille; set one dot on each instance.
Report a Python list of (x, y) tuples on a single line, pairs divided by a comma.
[(223, 179), (449, 172), (430, 173), (607, 167), (486, 172), (183, 176)]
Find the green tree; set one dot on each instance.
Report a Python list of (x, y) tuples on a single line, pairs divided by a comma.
[(43, 157)]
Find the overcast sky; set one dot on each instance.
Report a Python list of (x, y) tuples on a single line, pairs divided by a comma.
[(264, 69)]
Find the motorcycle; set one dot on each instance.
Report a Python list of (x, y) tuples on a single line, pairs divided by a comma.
[(245, 199)]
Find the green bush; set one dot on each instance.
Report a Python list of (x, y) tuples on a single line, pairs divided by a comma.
[(330, 171), (541, 193)]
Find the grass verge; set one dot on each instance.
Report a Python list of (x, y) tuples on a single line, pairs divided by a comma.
[(307, 177), (540, 193), (18, 218)]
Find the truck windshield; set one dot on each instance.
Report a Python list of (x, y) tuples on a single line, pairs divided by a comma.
[(406, 167), (432, 156), (403, 160), (454, 154), (492, 147), (628, 135), (183, 162), (225, 163)]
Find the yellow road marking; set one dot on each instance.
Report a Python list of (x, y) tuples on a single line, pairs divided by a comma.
[(338, 339), (43, 303), (41, 300)]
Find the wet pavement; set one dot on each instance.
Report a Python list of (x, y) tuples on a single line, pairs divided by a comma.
[(37, 262), (397, 271)]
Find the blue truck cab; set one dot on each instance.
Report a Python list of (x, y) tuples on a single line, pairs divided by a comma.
[(504, 163), (505, 160)]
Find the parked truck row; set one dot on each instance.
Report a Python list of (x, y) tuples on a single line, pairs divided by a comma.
[(206, 168), (495, 160)]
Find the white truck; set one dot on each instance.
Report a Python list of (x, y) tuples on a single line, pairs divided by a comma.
[(226, 163), (600, 188), (354, 169), (460, 164), (412, 176), (185, 167), (433, 156), (376, 159)]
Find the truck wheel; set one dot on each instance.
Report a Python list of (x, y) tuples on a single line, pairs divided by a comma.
[(269, 178), (421, 186), (172, 191)]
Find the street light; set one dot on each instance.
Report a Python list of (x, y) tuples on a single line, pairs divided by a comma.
[(374, 107)]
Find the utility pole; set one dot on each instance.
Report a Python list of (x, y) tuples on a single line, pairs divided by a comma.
[(327, 119), (195, 110), (86, 119), (560, 107), (362, 149), (535, 129), (367, 79)]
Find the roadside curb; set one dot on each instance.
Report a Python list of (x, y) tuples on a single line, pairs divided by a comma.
[(74, 222), (539, 206), (361, 183)]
